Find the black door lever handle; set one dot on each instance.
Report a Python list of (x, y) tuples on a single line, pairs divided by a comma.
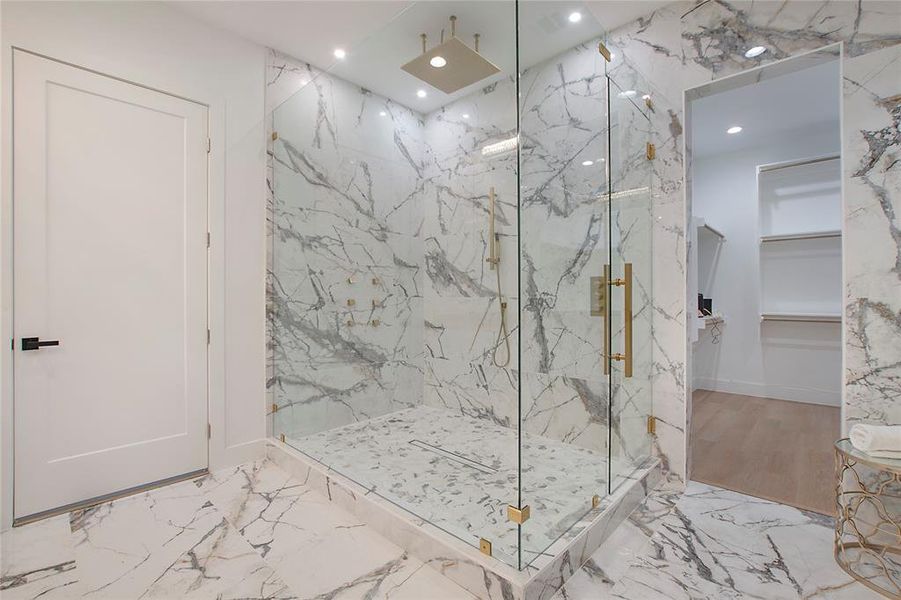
[(34, 343)]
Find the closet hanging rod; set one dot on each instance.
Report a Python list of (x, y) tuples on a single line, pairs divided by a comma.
[(796, 163), (714, 231), (811, 235), (801, 317)]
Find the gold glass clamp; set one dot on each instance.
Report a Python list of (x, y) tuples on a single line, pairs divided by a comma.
[(518, 515), (485, 546)]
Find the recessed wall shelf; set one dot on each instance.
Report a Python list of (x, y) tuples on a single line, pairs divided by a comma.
[(802, 317), (810, 235)]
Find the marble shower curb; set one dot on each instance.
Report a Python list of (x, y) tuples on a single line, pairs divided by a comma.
[(486, 577)]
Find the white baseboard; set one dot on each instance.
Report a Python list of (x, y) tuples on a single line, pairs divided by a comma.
[(793, 394)]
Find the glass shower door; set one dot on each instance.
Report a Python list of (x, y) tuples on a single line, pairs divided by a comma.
[(630, 236), (563, 249)]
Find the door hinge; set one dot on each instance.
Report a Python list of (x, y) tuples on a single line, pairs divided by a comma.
[(652, 424), (652, 151), (209, 431), (604, 51), (208, 237), (209, 145), (207, 337)]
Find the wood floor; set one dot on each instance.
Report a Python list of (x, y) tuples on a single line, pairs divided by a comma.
[(768, 448)]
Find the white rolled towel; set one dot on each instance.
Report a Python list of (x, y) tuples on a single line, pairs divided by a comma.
[(881, 441)]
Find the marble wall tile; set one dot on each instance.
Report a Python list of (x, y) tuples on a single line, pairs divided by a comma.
[(345, 307), (872, 242), (687, 44)]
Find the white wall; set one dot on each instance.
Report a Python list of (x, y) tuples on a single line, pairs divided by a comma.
[(790, 361), (160, 47)]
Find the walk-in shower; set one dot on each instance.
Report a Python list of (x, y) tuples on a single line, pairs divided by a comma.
[(441, 328)]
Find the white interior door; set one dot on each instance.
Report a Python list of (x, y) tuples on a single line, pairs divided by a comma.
[(110, 243)]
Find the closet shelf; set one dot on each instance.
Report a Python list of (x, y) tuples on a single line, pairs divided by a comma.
[(712, 320), (714, 231), (809, 235), (802, 317)]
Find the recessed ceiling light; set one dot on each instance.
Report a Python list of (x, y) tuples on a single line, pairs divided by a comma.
[(587, 163), (340, 53), (465, 116), (733, 129), (755, 51), (438, 62), (383, 114), (421, 94), (575, 17), (627, 94)]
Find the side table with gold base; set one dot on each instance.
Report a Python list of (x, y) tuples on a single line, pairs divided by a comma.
[(868, 525)]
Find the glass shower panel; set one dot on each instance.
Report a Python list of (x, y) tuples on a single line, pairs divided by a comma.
[(630, 236), (384, 309), (563, 250)]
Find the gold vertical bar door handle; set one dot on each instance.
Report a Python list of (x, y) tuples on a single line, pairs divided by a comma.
[(605, 302), (627, 315)]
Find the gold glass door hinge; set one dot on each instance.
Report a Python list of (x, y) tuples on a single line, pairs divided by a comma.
[(604, 51), (595, 501), (518, 515), (652, 425), (484, 546), (652, 151)]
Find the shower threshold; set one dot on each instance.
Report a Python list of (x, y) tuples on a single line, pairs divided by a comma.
[(436, 482)]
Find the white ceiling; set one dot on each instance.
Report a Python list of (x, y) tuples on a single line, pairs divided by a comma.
[(796, 102), (381, 35)]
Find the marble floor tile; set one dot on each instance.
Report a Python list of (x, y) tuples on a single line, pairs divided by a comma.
[(38, 560), (320, 550), (460, 473), (251, 532), (713, 543)]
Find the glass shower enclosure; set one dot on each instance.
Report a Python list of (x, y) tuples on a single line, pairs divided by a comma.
[(460, 269)]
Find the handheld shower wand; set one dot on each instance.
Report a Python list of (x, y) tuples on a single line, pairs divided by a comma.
[(494, 261)]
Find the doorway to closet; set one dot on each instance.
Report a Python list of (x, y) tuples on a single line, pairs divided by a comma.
[(765, 280)]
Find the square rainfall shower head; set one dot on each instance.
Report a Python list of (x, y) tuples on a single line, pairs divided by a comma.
[(464, 66)]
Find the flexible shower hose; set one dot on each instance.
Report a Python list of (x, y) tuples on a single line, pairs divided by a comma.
[(502, 330)]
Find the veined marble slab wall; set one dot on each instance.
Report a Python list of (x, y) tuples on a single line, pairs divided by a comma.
[(687, 44), (462, 315), (345, 283), (564, 240)]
